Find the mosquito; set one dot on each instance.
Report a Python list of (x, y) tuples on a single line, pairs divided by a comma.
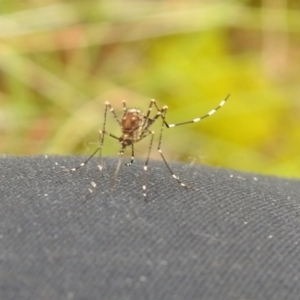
[(135, 126)]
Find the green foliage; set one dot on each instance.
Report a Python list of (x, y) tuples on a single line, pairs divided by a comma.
[(61, 60)]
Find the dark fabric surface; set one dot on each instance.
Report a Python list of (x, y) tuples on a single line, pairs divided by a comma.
[(235, 237)]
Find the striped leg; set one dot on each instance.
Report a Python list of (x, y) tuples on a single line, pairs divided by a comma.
[(99, 148), (100, 166), (163, 114), (146, 164), (132, 157), (86, 161), (111, 109), (210, 113), (146, 123)]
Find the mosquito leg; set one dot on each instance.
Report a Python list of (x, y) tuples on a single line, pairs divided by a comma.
[(132, 157), (100, 166), (147, 124), (210, 113), (146, 164), (153, 120), (111, 109), (163, 113), (102, 133), (82, 164), (99, 148)]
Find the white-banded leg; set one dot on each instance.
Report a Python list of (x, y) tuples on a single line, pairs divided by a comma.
[(132, 157), (153, 120), (210, 113), (103, 132), (100, 166), (99, 148), (111, 109), (146, 164), (86, 161), (82, 164), (163, 114), (132, 149), (152, 102)]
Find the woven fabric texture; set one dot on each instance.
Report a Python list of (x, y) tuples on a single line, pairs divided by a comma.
[(234, 236)]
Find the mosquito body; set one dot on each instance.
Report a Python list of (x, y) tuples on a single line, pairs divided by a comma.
[(135, 126)]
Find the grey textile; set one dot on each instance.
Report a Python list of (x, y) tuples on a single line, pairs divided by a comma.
[(237, 236)]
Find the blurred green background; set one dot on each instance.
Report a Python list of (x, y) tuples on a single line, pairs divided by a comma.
[(61, 60)]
